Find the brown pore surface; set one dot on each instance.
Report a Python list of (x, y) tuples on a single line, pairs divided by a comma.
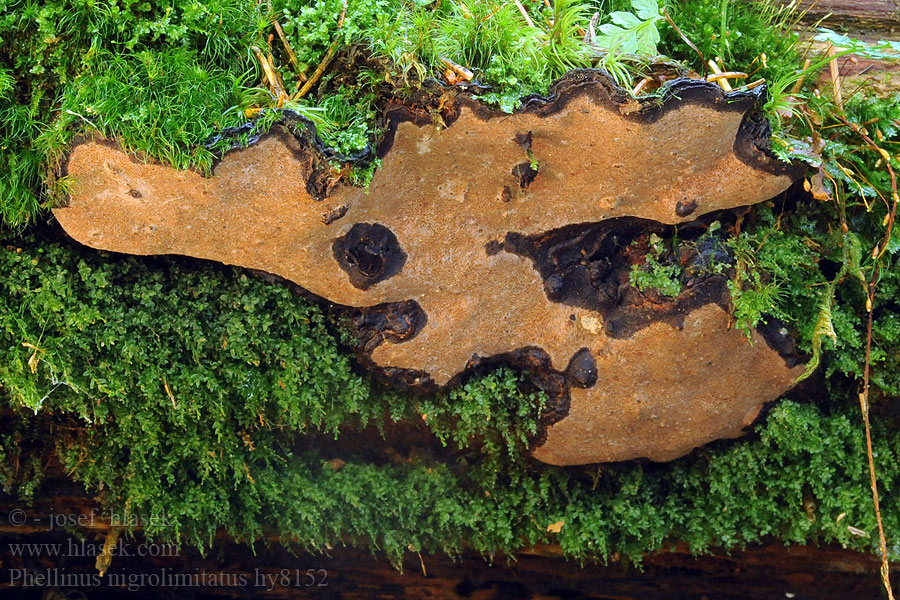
[(447, 195), (662, 383)]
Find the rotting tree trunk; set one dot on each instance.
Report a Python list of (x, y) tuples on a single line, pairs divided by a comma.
[(770, 571), (872, 18), (500, 239), (233, 570), (868, 20), (67, 518)]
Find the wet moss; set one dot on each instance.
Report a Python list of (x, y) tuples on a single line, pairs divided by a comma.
[(186, 390), (204, 394)]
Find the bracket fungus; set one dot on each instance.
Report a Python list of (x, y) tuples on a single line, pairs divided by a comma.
[(498, 238)]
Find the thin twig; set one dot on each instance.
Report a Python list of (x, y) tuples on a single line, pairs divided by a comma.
[(460, 70), (870, 307), (799, 83), (864, 406), (684, 38), (717, 71), (317, 74), (270, 73), (753, 84), (640, 86), (726, 75), (895, 200), (835, 77)]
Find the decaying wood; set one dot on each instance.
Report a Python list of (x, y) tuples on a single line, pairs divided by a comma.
[(876, 18), (869, 21), (233, 570), (67, 518), (502, 237)]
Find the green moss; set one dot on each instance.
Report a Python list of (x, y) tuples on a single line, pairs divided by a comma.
[(162, 103), (736, 32), (348, 115), (201, 393), (183, 60), (97, 343), (803, 267), (183, 373), (658, 271), (122, 330), (776, 273), (163, 77), (491, 39)]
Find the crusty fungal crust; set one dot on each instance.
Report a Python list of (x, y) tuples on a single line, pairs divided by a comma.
[(432, 232)]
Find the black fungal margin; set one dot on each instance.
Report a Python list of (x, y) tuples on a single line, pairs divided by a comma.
[(751, 145), (588, 266)]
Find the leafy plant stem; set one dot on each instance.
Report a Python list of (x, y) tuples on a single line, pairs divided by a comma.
[(864, 407), (870, 307)]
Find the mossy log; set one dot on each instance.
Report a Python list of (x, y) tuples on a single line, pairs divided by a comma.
[(235, 570), (500, 238), (875, 18), (766, 571), (870, 21)]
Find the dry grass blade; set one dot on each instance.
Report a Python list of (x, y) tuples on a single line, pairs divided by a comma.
[(683, 37), (835, 78), (271, 75), (292, 56), (591, 34), (524, 13), (169, 393)]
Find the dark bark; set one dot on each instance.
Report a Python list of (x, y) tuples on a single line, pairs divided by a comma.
[(233, 570), (877, 18)]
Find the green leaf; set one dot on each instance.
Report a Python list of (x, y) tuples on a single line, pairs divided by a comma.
[(824, 328), (882, 50), (625, 19), (645, 9), (629, 34), (646, 40)]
